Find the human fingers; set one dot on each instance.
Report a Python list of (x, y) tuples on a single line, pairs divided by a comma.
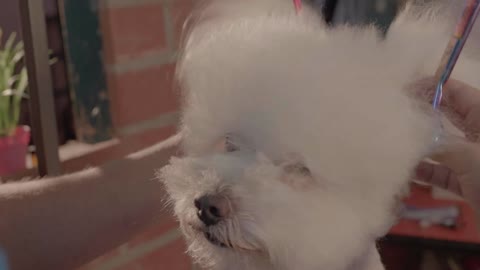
[(438, 175), (461, 103)]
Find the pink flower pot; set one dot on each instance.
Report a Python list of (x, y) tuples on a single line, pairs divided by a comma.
[(13, 150)]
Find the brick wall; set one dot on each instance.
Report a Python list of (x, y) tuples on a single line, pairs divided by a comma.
[(140, 45), (161, 247), (141, 39)]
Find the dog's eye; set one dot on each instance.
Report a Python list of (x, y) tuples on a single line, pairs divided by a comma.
[(297, 168), (297, 176), (226, 145), (230, 146)]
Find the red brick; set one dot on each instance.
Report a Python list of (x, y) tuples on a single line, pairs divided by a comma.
[(142, 95), (130, 266), (172, 257), (153, 135), (127, 145), (132, 31), (148, 235), (102, 259), (179, 13), (153, 233)]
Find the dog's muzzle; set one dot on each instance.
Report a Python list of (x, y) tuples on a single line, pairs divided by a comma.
[(211, 209)]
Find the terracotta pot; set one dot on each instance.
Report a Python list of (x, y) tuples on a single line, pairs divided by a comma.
[(13, 150)]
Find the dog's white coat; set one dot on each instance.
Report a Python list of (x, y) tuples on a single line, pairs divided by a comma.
[(290, 90)]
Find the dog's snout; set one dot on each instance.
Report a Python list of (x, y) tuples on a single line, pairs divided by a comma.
[(212, 209)]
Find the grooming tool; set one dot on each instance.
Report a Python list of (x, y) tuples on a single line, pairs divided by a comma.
[(443, 216), (450, 57), (298, 5), (454, 48)]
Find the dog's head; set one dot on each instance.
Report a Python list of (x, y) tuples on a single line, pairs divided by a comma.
[(241, 210), (296, 138)]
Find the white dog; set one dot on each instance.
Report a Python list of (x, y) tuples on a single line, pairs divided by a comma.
[(298, 138)]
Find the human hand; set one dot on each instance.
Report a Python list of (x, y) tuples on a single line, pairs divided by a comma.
[(458, 161)]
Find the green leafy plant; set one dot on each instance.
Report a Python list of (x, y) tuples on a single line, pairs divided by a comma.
[(13, 83)]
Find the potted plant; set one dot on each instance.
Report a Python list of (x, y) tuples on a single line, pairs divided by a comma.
[(14, 139)]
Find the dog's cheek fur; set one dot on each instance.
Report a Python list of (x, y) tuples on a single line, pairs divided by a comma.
[(183, 183), (289, 230), (189, 178), (303, 231)]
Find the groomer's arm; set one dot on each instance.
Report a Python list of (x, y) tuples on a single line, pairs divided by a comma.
[(63, 222)]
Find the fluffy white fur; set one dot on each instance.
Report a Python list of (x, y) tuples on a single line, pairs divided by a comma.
[(287, 90)]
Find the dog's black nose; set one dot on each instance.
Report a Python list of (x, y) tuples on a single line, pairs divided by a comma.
[(212, 209)]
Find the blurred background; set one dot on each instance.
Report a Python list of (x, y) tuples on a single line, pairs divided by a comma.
[(112, 92), (114, 61)]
